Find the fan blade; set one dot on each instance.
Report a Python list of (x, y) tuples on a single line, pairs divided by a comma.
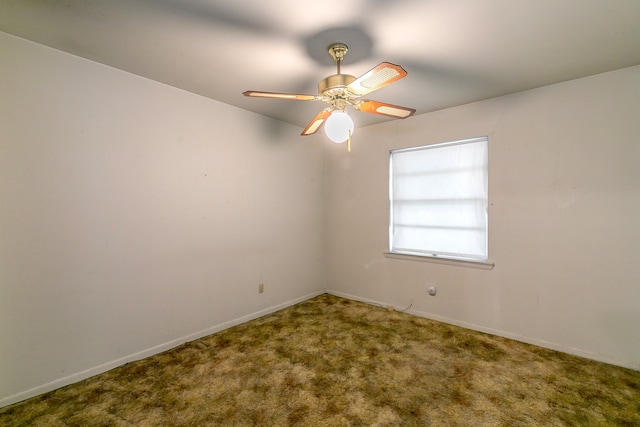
[(317, 121), (374, 79), (390, 110), (280, 95)]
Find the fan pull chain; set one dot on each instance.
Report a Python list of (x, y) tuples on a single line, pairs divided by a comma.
[(349, 142)]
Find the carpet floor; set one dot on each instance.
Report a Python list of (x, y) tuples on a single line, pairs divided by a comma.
[(330, 361)]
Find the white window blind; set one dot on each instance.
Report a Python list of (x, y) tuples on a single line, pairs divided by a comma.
[(439, 196)]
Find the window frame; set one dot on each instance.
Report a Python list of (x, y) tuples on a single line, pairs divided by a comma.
[(437, 255)]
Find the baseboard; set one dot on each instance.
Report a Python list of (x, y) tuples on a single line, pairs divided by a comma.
[(79, 376), (516, 337)]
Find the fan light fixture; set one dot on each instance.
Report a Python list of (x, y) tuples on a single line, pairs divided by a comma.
[(339, 126), (339, 90)]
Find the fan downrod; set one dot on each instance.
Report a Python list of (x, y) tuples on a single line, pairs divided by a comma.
[(338, 52)]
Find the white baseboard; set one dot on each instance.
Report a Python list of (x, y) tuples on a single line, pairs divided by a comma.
[(79, 376), (529, 340)]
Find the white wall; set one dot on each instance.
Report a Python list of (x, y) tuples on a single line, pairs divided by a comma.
[(564, 218), (134, 215)]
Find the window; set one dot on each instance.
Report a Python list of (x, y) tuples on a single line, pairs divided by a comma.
[(438, 200)]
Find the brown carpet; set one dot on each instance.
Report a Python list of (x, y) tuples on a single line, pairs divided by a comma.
[(335, 362)]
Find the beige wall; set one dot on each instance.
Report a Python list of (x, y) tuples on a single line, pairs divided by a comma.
[(564, 218), (134, 216)]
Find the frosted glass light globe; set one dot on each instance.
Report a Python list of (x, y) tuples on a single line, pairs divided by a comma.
[(338, 126)]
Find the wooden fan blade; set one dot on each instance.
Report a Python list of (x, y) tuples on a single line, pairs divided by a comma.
[(315, 124), (374, 79), (390, 110), (280, 95)]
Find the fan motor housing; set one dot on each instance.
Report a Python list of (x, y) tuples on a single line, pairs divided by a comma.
[(336, 81)]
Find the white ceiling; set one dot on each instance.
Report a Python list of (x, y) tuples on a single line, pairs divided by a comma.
[(455, 51)]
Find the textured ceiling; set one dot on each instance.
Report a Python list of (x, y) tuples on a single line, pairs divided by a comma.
[(455, 51)]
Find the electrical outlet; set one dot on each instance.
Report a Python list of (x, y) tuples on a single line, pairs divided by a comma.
[(261, 288)]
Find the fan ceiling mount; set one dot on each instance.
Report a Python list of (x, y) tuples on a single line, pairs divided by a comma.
[(340, 90)]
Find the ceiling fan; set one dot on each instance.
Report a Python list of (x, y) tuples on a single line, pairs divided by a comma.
[(338, 90)]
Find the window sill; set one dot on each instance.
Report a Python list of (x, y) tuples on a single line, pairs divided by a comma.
[(484, 265)]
